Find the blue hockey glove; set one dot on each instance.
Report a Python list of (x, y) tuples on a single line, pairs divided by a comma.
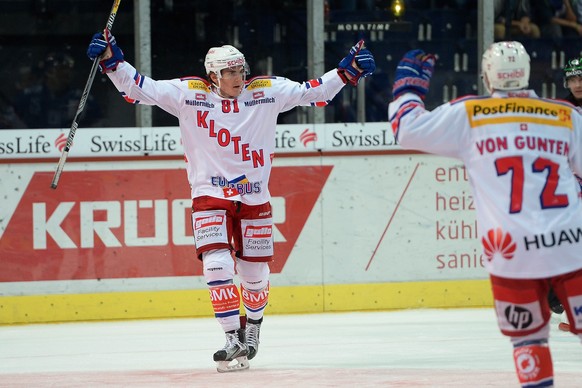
[(98, 47), (357, 64), (413, 73)]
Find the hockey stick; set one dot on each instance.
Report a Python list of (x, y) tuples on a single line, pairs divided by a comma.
[(82, 103)]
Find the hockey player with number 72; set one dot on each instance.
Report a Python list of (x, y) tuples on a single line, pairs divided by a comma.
[(228, 126), (521, 153)]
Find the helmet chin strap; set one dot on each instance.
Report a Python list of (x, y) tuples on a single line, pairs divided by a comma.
[(486, 84), (217, 86)]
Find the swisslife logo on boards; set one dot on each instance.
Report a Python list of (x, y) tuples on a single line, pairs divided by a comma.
[(154, 141), (130, 224), (45, 143), (61, 142), (334, 137)]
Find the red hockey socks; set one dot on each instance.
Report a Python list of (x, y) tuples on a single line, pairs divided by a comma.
[(533, 364)]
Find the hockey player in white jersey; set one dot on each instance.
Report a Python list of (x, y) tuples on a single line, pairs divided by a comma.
[(228, 132), (521, 153)]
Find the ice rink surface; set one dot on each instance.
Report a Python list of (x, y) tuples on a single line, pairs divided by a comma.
[(405, 348)]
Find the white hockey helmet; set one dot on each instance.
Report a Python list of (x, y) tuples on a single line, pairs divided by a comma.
[(505, 66), (224, 57)]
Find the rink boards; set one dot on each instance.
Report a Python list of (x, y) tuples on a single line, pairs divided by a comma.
[(359, 225)]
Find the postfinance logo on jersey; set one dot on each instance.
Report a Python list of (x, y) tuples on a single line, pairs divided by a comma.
[(517, 110)]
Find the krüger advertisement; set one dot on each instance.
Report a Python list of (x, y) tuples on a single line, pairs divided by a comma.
[(359, 224)]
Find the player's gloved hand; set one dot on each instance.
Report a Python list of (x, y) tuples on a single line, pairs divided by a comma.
[(357, 64), (104, 44), (97, 46), (413, 73)]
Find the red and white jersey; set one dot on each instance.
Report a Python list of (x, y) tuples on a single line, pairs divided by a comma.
[(229, 144), (521, 153)]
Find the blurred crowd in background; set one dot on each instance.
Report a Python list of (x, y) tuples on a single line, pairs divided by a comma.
[(44, 67)]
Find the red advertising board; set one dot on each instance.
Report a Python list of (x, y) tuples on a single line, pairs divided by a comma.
[(129, 224)]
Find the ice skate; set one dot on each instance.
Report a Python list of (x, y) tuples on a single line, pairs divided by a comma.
[(564, 325), (252, 331), (233, 356)]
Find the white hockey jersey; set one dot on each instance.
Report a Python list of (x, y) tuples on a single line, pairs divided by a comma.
[(229, 144), (521, 153)]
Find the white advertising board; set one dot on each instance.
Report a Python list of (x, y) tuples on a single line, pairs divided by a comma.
[(164, 141), (124, 225)]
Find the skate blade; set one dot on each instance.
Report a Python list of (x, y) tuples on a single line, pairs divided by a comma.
[(563, 326), (239, 363)]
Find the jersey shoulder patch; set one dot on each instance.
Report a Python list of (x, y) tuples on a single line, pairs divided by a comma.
[(196, 83), (260, 82)]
